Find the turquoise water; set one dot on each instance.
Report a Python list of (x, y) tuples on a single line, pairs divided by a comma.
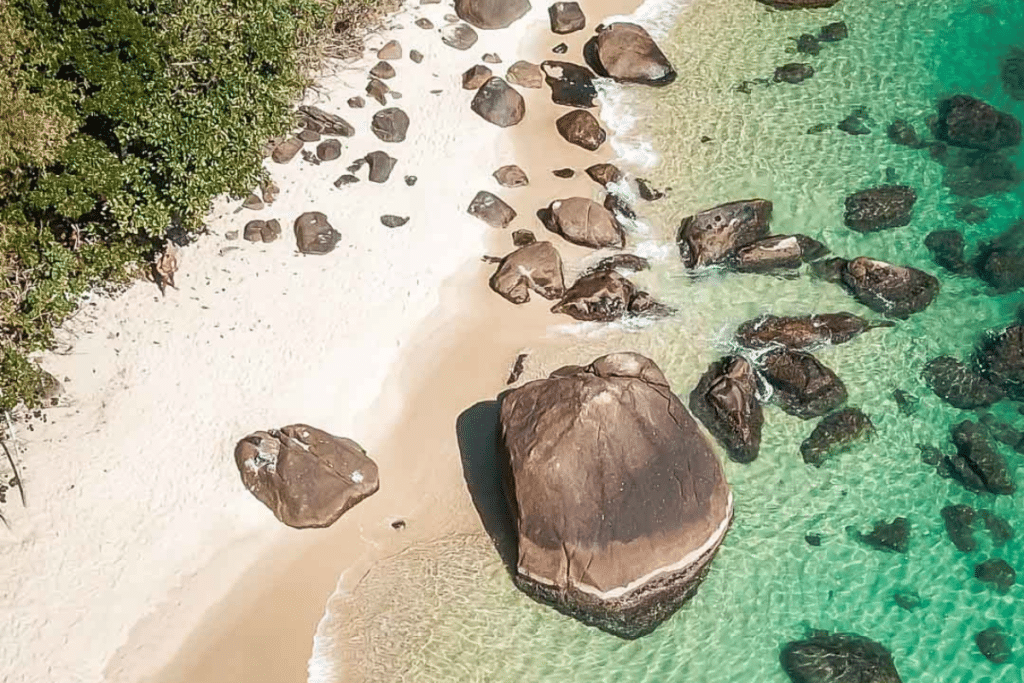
[(448, 612)]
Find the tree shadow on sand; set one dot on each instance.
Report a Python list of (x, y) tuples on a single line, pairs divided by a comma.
[(483, 465)]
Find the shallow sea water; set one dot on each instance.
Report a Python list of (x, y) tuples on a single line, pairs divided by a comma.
[(448, 612)]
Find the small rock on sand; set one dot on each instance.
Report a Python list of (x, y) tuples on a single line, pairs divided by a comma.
[(525, 75), (459, 36), (390, 125), (381, 166), (391, 221), (314, 234), (416, 56), (328, 150), (491, 209), (511, 176), (475, 76), (566, 17), (391, 50), (383, 70)]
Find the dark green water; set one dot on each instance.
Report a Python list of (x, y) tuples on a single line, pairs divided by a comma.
[(448, 612)]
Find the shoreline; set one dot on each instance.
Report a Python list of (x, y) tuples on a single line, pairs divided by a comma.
[(470, 323)]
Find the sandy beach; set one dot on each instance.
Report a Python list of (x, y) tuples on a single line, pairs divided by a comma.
[(146, 560)]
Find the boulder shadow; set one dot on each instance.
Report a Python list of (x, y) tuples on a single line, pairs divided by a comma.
[(484, 464)]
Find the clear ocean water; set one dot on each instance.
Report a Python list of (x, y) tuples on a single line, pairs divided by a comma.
[(448, 612)]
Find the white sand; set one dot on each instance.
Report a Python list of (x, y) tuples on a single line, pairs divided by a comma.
[(137, 528)]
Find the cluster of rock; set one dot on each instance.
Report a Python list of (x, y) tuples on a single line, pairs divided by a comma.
[(618, 500), (998, 262), (995, 372), (806, 44), (727, 397)]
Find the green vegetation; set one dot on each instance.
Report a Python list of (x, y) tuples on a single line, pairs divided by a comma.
[(120, 119)]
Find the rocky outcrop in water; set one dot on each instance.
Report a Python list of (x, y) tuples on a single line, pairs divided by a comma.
[(776, 253), (1002, 358), (891, 536), (972, 173), (499, 103), (725, 401), (948, 249), (711, 236), (994, 642), (997, 573), (835, 433), (307, 477), (626, 53), (968, 122), (1000, 262), (794, 72), (959, 521), (896, 291), (977, 466), (838, 658), (491, 14), (583, 222), (902, 132), (880, 208), (803, 332), (618, 501), (1012, 73), (960, 385), (803, 386), (630, 262), (537, 267), (605, 296)]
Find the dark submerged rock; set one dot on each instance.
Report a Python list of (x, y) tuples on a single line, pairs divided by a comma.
[(968, 122), (973, 174), (1002, 358), (901, 132), (802, 332), (994, 643), (609, 481), (879, 208), (971, 213), (798, 4), (1000, 262), (891, 536), (834, 32), (856, 123), (977, 466), (835, 433), (908, 599), (307, 477), (906, 402), (537, 267), (959, 385), (725, 401), (804, 387), (794, 73), (838, 658), (997, 573), (998, 528), (1012, 73), (807, 44), (709, 237), (959, 521), (948, 249)]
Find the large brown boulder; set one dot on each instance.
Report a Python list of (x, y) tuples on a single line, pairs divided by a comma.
[(960, 385), (804, 386), (802, 332), (583, 222), (776, 253), (879, 208), (711, 236), (618, 501), (307, 477), (314, 234), (491, 14), (582, 129), (626, 52), (897, 291), (605, 295), (968, 122), (499, 103), (725, 400), (536, 266)]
